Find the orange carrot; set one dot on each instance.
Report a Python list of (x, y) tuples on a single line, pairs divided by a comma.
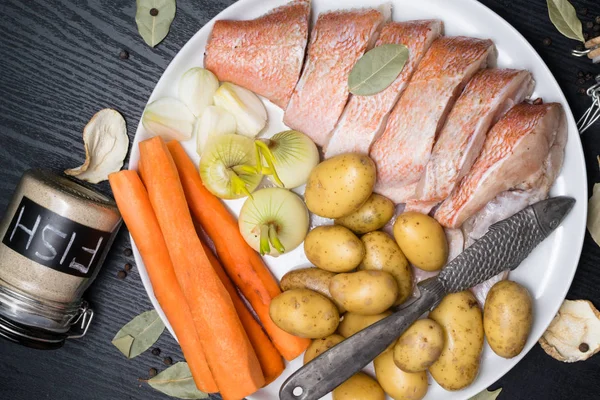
[(270, 359), (244, 265), (134, 205), (230, 355)]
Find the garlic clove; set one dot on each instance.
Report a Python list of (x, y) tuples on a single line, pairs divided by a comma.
[(106, 142), (170, 118), (214, 121), (197, 88), (574, 333), (248, 110)]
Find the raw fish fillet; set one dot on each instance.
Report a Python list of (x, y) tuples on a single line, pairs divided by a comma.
[(523, 151), (264, 55), (337, 41), (403, 150), (488, 96), (364, 117)]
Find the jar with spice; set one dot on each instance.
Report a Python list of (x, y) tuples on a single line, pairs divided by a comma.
[(54, 237)]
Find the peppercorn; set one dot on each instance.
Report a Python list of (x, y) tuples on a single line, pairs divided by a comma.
[(597, 20), (589, 76), (583, 11), (152, 372), (124, 55), (589, 25), (547, 42), (168, 360), (127, 267), (581, 74), (154, 12), (584, 347), (121, 274), (581, 81), (596, 28), (156, 351), (128, 252), (581, 91)]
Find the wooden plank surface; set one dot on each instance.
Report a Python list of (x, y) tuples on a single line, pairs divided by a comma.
[(59, 64)]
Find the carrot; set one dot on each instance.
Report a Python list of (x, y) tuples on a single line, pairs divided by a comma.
[(244, 265), (268, 356), (134, 205), (230, 355)]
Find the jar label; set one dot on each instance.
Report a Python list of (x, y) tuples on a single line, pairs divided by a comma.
[(54, 241)]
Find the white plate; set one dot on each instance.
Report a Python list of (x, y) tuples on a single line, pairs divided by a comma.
[(548, 271)]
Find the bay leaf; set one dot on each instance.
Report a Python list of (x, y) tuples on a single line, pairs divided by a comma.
[(564, 17), (177, 381), (377, 69), (139, 334), (153, 19), (487, 395), (593, 217)]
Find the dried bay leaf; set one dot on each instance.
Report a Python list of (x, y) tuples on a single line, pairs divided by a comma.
[(593, 217), (177, 381), (153, 19), (139, 334), (564, 17), (377, 69), (487, 395)]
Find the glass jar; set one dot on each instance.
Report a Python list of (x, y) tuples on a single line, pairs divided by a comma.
[(55, 235)]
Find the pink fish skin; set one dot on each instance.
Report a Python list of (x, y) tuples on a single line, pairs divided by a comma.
[(337, 41), (264, 55), (488, 96), (523, 151), (364, 117), (402, 152)]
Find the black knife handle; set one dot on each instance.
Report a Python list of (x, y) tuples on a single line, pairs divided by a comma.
[(336, 365)]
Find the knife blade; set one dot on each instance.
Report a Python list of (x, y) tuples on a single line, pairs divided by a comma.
[(506, 244)]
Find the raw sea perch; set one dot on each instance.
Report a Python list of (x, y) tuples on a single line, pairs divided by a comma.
[(364, 117), (488, 96), (264, 55), (403, 150), (524, 151), (337, 41)]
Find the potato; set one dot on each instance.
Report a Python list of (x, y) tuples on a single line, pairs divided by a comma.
[(334, 248), (304, 313), (364, 292), (383, 254), (507, 318), (419, 346), (318, 346), (353, 323), (340, 185), (372, 215), (399, 385), (359, 386), (314, 279), (460, 317), (422, 240)]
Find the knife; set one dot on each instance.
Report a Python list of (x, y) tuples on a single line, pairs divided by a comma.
[(506, 244)]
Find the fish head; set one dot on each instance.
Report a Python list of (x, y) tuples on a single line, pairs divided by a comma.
[(551, 212)]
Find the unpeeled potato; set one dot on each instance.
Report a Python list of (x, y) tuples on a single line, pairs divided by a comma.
[(319, 346), (373, 215), (353, 323), (314, 279), (364, 292), (340, 185), (359, 386), (333, 248), (419, 346), (422, 240), (399, 385)]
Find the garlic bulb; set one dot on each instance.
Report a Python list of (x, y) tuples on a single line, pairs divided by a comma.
[(248, 110), (197, 88), (170, 118), (214, 121)]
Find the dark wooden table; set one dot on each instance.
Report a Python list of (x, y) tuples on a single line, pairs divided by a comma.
[(59, 64)]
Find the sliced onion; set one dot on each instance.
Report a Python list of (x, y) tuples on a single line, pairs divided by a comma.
[(197, 88), (249, 112), (170, 118), (214, 121), (274, 221)]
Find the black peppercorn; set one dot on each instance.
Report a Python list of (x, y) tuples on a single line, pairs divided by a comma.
[(128, 252), (547, 42), (152, 372), (597, 20), (156, 351), (596, 28), (581, 74), (121, 274), (589, 25), (154, 12), (581, 91), (584, 347), (538, 101), (581, 81), (583, 11), (124, 55), (168, 360), (589, 76), (127, 267)]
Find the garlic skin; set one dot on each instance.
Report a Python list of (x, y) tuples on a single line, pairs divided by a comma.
[(248, 110), (574, 333), (214, 121), (106, 142), (169, 118), (197, 87)]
